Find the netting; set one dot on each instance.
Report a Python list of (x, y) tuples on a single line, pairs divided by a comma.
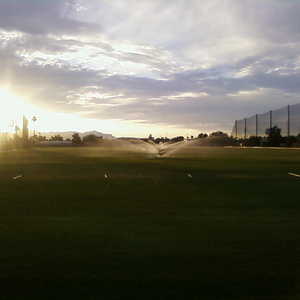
[(286, 118), (295, 119)]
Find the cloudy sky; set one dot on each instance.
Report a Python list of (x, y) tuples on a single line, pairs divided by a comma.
[(134, 67)]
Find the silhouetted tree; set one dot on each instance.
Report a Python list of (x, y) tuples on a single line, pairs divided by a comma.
[(76, 139), (177, 139), (37, 139), (219, 133), (158, 141), (57, 138), (202, 135), (151, 138), (41, 138), (289, 141), (274, 137), (217, 138), (253, 141), (91, 139)]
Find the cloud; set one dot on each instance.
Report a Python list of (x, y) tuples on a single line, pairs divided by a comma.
[(42, 17), (195, 64)]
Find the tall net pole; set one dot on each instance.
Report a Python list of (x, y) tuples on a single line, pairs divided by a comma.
[(256, 125), (288, 121)]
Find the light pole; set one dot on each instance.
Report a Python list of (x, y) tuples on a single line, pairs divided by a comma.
[(34, 119)]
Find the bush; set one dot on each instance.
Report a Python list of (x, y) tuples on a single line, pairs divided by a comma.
[(253, 141), (92, 139), (217, 141)]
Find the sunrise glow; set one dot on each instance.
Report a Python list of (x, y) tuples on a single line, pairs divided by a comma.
[(13, 107)]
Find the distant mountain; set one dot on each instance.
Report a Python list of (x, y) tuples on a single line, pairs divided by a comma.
[(68, 134)]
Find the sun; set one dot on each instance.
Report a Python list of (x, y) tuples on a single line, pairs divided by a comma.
[(12, 108)]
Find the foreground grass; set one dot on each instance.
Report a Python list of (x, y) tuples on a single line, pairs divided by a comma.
[(149, 231)]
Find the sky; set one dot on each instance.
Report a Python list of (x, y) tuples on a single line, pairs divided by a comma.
[(135, 67)]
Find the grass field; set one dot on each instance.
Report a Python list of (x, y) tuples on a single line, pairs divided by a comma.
[(229, 231)]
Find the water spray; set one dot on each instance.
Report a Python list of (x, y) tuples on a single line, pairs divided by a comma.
[(293, 174)]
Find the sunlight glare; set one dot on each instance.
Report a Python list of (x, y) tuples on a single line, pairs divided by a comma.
[(12, 109)]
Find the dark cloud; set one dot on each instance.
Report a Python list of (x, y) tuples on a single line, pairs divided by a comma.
[(41, 17), (273, 20)]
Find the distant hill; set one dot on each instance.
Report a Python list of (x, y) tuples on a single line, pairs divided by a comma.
[(68, 134)]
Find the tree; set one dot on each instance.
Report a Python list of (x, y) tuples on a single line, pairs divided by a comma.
[(91, 139), (289, 141), (76, 139), (217, 138), (41, 138), (274, 137), (202, 135), (219, 134), (253, 141), (57, 138), (37, 139), (151, 138), (177, 139)]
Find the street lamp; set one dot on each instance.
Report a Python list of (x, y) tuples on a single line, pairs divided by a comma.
[(34, 119)]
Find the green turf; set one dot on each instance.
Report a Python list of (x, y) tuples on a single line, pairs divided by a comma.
[(232, 231)]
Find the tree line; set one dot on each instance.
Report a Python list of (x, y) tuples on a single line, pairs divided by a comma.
[(20, 141), (272, 138)]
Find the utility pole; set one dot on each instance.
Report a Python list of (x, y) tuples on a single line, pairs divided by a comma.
[(236, 129), (271, 119), (245, 128)]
